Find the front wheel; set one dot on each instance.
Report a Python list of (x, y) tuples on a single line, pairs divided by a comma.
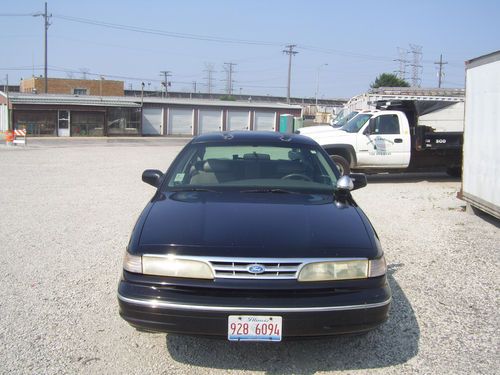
[(342, 164)]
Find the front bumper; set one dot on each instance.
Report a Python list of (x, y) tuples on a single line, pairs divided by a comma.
[(167, 309)]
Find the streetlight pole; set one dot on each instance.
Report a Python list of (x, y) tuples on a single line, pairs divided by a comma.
[(317, 84)]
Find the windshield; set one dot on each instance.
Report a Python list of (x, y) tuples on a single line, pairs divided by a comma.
[(356, 123), (341, 122), (249, 167)]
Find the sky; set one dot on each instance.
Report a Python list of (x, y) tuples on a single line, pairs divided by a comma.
[(342, 45)]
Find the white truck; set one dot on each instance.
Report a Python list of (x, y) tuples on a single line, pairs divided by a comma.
[(392, 138)]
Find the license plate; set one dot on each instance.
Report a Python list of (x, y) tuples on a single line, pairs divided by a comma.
[(253, 328)]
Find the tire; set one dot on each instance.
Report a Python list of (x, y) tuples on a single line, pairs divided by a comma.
[(454, 171), (342, 164)]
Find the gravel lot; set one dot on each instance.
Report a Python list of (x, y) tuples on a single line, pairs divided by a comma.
[(67, 208)]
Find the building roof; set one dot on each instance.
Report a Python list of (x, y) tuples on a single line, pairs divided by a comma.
[(123, 101), (57, 99)]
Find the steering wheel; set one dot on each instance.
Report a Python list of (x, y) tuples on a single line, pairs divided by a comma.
[(295, 176)]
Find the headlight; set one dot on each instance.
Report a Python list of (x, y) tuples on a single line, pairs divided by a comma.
[(343, 270), (174, 267), (335, 270)]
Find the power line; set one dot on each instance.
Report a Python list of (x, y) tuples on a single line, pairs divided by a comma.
[(164, 32), (290, 52)]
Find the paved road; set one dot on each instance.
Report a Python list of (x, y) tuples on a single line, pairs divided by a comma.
[(67, 208)]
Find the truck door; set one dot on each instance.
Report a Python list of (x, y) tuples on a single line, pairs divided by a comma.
[(384, 142)]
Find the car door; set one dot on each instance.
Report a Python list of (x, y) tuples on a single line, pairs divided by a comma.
[(384, 142)]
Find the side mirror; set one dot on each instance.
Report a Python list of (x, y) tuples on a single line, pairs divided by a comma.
[(370, 127), (359, 180), (345, 184), (152, 177)]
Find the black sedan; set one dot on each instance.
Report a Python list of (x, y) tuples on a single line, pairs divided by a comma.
[(253, 236)]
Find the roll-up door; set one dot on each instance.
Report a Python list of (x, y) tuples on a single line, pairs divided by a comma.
[(209, 121), (264, 121), (152, 121), (180, 121), (237, 120)]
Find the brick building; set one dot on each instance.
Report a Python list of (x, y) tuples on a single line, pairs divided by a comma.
[(97, 87)]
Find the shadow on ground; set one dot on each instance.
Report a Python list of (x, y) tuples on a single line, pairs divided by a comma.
[(393, 343), (381, 178)]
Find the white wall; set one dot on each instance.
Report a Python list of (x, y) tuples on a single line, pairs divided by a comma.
[(481, 164), (4, 119)]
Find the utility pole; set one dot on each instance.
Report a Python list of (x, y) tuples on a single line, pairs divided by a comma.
[(209, 69), (6, 90), (46, 17), (194, 87), (229, 80), (441, 72), (166, 74), (317, 84), (290, 52)]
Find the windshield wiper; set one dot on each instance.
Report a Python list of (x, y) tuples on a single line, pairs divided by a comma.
[(186, 189), (270, 190)]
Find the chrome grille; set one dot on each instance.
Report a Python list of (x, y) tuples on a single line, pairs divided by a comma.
[(242, 269)]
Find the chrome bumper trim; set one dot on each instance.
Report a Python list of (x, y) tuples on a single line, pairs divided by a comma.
[(178, 306)]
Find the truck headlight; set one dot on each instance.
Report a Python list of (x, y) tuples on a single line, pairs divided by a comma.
[(175, 267), (342, 270)]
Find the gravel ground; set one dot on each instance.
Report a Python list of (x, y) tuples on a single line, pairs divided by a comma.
[(66, 211)]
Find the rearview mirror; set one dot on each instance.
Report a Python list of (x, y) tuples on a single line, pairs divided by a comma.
[(152, 177)]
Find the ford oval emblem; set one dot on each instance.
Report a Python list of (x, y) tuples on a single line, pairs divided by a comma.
[(256, 268)]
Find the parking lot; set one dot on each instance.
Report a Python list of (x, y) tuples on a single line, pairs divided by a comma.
[(67, 208)]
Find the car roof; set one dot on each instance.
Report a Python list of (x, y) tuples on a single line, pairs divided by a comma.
[(253, 136)]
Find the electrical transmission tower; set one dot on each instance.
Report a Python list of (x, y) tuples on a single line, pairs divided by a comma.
[(290, 52), (441, 71), (165, 74), (416, 65), (403, 62), (228, 67), (209, 69)]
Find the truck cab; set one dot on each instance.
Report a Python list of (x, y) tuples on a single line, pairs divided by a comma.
[(371, 140)]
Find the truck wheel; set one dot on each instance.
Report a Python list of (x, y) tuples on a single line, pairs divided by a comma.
[(454, 172), (342, 164)]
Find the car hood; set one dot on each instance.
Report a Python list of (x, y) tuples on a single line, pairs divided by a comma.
[(254, 225), (317, 129)]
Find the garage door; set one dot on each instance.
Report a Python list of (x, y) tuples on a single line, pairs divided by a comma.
[(180, 121), (237, 120), (152, 121), (264, 121), (209, 121)]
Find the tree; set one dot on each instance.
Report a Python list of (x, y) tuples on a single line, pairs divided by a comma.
[(389, 80)]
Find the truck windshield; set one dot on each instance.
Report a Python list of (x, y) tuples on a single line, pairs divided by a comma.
[(356, 123)]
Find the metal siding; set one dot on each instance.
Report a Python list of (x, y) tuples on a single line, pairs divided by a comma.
[(152, 121), (238, 120), (481, 163), (180, 121), (209, 121)]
